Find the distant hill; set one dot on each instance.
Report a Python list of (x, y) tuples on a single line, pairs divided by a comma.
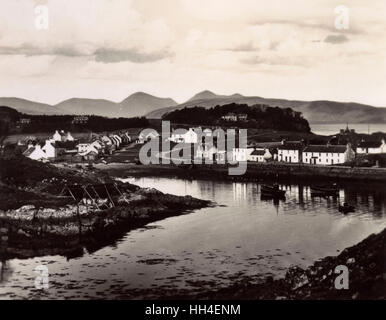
[(313, 111), (29, 107), (136, 105), (140, 104), (81, 106)]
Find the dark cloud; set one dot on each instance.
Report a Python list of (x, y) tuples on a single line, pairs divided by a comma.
[(27, 49), (336, 38), (106, 55)]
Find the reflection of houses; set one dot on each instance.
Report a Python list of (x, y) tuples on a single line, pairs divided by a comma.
[(328, 154), (371, 147), (290, 152)]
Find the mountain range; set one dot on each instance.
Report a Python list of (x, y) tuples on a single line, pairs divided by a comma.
[(136, 105), (322, 111), (143, 104)]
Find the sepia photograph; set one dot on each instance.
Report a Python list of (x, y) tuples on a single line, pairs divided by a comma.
[(206, 153)]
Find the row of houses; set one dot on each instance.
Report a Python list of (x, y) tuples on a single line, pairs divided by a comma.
[(327, 154), (290, 152), (63, 146)]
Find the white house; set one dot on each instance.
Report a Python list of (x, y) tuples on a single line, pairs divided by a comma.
[(190, 136), (371, 147), (57, 136), (241, 154), (146, 137), (328, 154), (230, 117), (260, 155), (290, 152), (97, 144), (206, 151), (62, 136), (69, 137), (35, 153), (49, 149)]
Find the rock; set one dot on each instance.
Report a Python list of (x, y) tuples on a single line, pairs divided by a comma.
[(4, 238), (350, 261), (26, 208), (23, 233), (3, 230)]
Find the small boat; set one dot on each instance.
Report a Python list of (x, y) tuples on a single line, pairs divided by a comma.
[(324, 190), (346, 208), (273, 191)]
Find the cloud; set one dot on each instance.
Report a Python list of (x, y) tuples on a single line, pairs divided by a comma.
[(336, 39), (242, 47), (106, 55), (27, 49)]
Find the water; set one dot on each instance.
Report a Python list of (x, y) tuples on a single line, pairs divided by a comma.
[(331, 129), (207, 248)]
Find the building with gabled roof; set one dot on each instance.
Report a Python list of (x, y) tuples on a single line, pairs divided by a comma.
[(371, 147), (328, 154)]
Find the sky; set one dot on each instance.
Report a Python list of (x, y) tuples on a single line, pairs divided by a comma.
[(175, 48)]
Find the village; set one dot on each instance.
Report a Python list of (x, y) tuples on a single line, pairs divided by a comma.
[(124, 147)]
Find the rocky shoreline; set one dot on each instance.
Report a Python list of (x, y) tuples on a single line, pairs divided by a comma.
[(35, 220)]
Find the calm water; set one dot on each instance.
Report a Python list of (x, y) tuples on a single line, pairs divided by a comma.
[(331, 129), (210, 247)]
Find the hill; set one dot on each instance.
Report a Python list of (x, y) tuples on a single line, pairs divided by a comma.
[(258, 116), (136, 105), (28, 107), (81, 106), (140, 103), (313, 111)]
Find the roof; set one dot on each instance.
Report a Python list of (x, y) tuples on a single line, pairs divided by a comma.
[(258, 153), (326, 148), (66, 144), (28, 152), (369, 144)]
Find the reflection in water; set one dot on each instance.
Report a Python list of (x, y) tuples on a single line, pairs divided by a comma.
[(5, 271), (211, 247)]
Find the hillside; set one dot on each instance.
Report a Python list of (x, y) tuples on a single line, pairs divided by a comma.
[(258, 116), (313, 111), (140, 103), (29, 107), (136, 105), (89, 106)]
